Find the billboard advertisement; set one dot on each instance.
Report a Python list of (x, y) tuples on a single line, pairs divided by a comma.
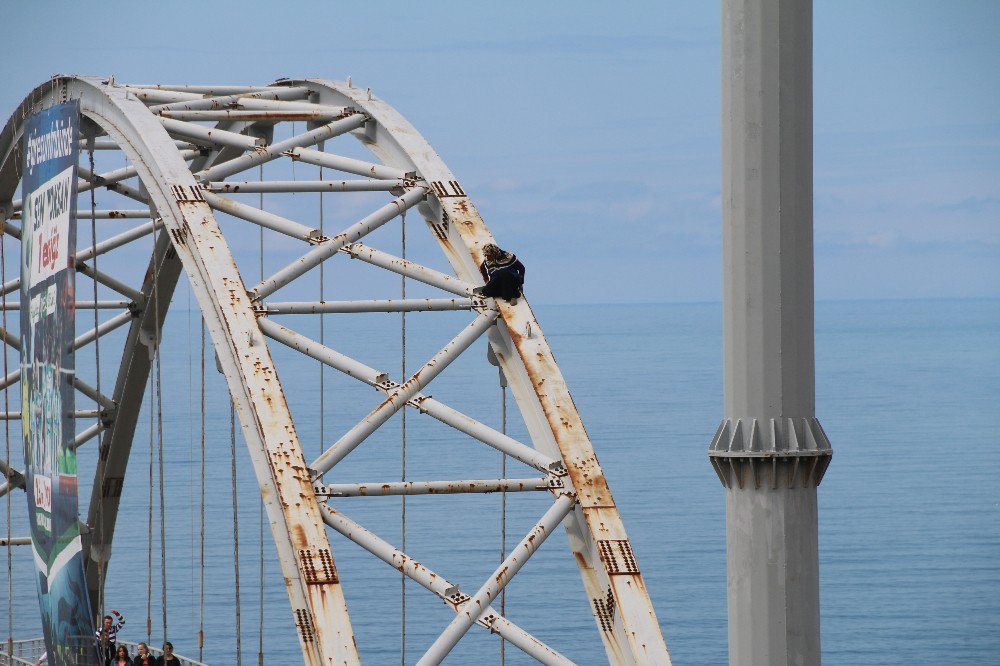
[(48, 314)]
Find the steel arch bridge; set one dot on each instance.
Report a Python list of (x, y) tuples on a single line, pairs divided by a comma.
[(187, 149)]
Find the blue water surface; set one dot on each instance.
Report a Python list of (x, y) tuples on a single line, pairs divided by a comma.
[(908, 392)]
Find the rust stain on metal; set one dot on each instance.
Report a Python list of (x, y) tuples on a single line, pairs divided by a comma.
[(304, 623), (617, 556), (604, 609)]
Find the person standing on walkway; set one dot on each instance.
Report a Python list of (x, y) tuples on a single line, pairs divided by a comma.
[(168, 658), (107, 636), (144, 658)]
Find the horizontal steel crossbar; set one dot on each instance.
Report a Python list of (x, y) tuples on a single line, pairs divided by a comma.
[(112, 214), (391, 305), (85, 145), (196, 91), (252, 186), (79, 305), (252, 114), (78, 414), (392, 488), (225, 100)]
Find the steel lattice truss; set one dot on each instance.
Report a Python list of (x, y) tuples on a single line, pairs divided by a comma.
[(190, 149)]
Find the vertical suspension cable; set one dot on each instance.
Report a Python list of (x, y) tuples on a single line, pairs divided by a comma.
[(402, 506), (322, 326), (201, 567), (236, 532), (503, 507), (6, 429), (159, 432), (149, 526), (190, 415), (97, 366), (260, 600)]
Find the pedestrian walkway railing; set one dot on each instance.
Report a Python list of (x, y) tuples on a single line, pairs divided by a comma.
[(26, 652), (29, 653)]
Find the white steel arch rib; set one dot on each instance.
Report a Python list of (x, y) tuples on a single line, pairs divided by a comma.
[(146, 122)]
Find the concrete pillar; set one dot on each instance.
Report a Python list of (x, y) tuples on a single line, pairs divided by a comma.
[(770, 452)]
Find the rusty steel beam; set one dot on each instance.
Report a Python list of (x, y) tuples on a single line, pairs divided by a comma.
[(195, 243), (600, 544), (112, 214), (224, 100), (252, 114), (236, 318), (253, 186), (393, 488), (390, 305)]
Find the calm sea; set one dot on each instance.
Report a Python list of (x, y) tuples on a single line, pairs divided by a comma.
[(908, 392)]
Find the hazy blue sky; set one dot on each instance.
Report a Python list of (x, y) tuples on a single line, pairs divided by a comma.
[(588, 133)]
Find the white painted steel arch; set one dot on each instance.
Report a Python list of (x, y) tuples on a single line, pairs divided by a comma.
[(147, 123)]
